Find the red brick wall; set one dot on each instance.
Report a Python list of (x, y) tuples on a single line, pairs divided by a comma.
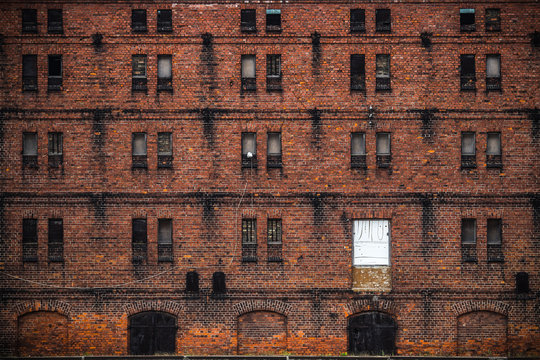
[(42, 333), (262, 332), (482, 332)]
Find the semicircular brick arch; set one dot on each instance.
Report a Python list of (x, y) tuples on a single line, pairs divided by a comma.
[(170, 307), (58, 306), (357, 306), (468, 306), (262, 305)]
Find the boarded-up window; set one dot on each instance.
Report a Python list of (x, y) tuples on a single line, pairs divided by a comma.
[(165, 240), (56, 240), (30, 240), (371, 242)]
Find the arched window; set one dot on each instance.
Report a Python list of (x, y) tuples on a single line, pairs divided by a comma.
[(372, 333), (151, 333)]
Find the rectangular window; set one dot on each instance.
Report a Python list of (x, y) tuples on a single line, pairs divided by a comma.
[(273, 20), (493, 20), (165, 153), (248, 20), (274, 243), (30, 241), (466, 20), (249, 240), (55, 149), (30, 150), (493, 150), (273, 72), (29, 72), (493, 72), (384, 156), (56, 240), (371, 243), (273, 157), (468, 72), (29, 21), (55, 73), (165, 252), (164, 21), (248, 73), (249, 150), (468, 150), (164, 73), (138, 67), (54, 21), (139, 151), (494, 240), (468, 240), (382, 72), (358, 150), (358, 72), (383, 21), (138, 20), (139, 240), (358, 20)]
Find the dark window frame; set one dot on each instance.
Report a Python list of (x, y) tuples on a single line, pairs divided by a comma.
[(165, 158), (273, 72), (55, 149), (249, 240), (383, 159), (30, 160), (249, 162), (358, 160), (139, 240), (29, 65), (273, 20), (55, 242), (164, 83), (468, 159), (273, 160), (248, 20), (165, 246), (493, 23), (467, 22), (29, 240), (468, 246), (274, 239), (139, 82), (383, 81), (467, 71), (249, 84), (494, 245), (358, 72), (55, 79), (55, 21), (493, 83), (383, 21), (139, 160), (138, 24), (357, 21), (164, 21), (29, 23), (494, 160)]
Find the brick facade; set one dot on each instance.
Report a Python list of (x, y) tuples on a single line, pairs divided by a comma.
[(74, 274)]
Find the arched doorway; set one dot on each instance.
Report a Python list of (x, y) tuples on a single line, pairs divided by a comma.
[(262, 332), (481, 333), (42, 333), (372, 333), (152, 332)]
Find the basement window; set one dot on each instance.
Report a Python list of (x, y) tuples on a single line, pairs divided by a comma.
[(55, 149), (468, 240), (273, 20), (249, 150), (358, 21), (55, 21), (139, 240), (468, 150), (165, 153), (494, 240), (138, 67), (139, 151), (248, 20), (466, 20), (56, 240), (468, 72), (358, 72), (29, 152), (493, 150), (358, 150), (164, 73), (273, 157), (30, 241), (164, 21), (248, 73), (371, 243), (249, 240), (382, 72), (55, 73), (274, 240), (493, 20), (165, 251), (493, 72), (384, 156), (29, 21), (138, 21), (273, 72), (382, 20), (29, 72)]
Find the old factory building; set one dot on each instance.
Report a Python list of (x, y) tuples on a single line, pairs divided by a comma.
[(269, 177)]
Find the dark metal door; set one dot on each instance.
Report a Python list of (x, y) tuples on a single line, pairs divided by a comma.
[(152, 333), (372, 333)]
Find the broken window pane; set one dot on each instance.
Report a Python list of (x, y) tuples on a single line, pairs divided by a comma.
[(30, 144), (383, 143), (29, 21), (139, 144), (466, 18), (273, 20), (248, 20), (138, 20), (468, 146), (382, 20), (164, 20), (54, 21), (493, 19), (358, 20)]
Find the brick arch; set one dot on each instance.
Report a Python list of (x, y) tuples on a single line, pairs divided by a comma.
[(248, 306), (358, 306), (170, 307), (57, 306), (468, 306)]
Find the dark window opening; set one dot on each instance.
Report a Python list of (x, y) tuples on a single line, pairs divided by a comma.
[(493, 20), (138, 20), (382, 72), (372, 333), (138, 67), (218, 283), (382, 20), (249, 240), (358, 150), (164, 21), (273, 20), (30, 158), (468, 72), (55, 73), (493, 150), (164, 73), (493, 72), (29, 72), (274, 243), (29, 21), (358, 72), (249, 150), (468, 240), (152, 333), (358, 20), (30, 240), (139, 153), (522, 283), (165, 154), (139, 240), (273, 72), (248, 73), (165, 249), (192, 282), (56, 240), (248, 20), (55, 149), (273, 157), (494, 240), (466, 20), (384, 156), (55, 21), (468, 150)]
